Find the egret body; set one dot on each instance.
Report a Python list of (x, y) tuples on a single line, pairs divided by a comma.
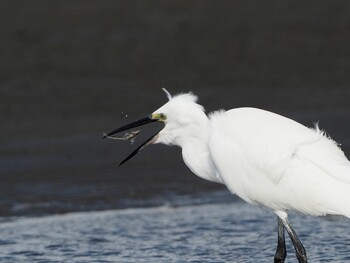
[(264, 158)]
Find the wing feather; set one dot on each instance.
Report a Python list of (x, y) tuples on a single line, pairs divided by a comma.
[(267, 142)]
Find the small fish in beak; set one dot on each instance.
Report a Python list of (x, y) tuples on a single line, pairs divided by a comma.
[(129, 136)]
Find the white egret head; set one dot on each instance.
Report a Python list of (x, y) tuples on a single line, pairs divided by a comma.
[(181, 116)]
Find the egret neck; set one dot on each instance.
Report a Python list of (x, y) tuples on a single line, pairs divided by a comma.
[(197, 158), (195, 150)]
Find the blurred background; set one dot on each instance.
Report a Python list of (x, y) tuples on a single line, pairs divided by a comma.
[(72, 69)]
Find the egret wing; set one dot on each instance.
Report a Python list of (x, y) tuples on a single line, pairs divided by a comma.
[(256, 143)]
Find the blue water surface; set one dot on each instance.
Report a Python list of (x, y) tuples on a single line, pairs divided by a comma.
[(226, 232)]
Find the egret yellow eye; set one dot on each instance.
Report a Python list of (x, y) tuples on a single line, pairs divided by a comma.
[(162, 117)]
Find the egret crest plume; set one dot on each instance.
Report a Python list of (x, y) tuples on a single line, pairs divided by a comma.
[(167, 93)]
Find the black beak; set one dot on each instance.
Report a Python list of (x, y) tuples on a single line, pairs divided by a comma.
[(134, 124)]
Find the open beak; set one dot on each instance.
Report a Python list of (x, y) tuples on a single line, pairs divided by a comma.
[(143, 121)]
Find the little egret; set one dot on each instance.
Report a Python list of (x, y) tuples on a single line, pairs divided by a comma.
[(264, 158)]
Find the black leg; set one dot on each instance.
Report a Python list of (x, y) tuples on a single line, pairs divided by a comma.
[(281, 251), (299, 248)]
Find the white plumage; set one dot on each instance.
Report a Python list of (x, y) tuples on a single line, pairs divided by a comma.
[(264, 158), (273, 161)]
